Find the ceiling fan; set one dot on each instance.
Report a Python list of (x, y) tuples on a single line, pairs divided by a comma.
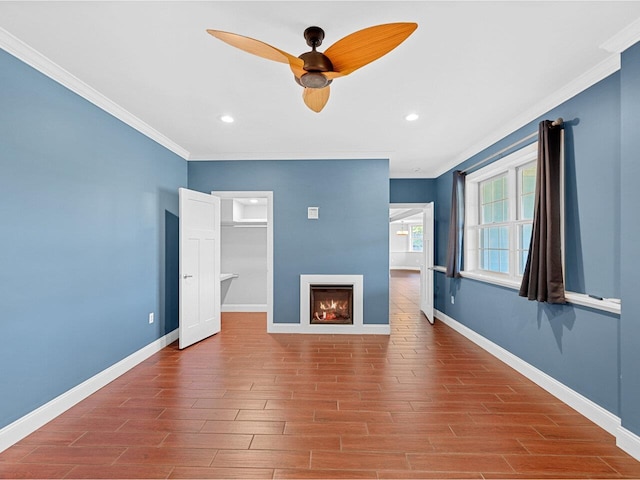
[(315, 70)]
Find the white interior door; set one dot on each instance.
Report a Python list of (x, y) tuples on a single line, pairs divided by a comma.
[(426, 272), (199, 266)]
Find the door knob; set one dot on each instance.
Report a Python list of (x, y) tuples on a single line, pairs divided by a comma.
[(187, 276)]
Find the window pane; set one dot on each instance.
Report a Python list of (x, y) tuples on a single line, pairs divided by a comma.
[(502, 207), (497, 212), (522, 262), (525, 236), (504, 261), (494, 249), (498, 189), (527, 191), (487, 192), (494, 238), (494, 260), (504, 238), (493, 200), (528, 179), (527, 205), (524, 239), (487, 213)]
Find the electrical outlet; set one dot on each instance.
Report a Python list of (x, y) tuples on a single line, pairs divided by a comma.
[(453, 299), (151, 317)]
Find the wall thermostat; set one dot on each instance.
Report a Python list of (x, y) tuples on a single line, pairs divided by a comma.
[(312, 213)]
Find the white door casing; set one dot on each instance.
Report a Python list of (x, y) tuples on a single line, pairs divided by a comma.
[(199, 266), (426, 272)]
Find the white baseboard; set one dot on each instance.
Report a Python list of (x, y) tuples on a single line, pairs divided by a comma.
[(629, 442), (594, 412), (365, 329), (16, 431), (238, 307)]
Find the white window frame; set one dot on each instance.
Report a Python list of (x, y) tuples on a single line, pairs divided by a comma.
[(508, 165)]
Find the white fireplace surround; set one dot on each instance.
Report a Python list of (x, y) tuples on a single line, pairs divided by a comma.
[(328, 281), (358, 326)]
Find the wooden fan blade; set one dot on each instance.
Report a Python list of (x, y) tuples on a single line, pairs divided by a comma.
[(261, 49), (316, 98), (364, 46)]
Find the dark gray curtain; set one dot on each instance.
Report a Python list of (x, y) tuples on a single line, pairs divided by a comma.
[(543, 278), (456, 226)]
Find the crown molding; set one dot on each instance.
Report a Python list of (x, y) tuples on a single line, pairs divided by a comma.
[(236, 156), (625, 38), (602, 70), (35, 59)]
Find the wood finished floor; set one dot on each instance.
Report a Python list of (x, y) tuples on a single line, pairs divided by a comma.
[(421, 403)]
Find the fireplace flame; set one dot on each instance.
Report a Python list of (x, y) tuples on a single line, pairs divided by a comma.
[(332, 309), (334, 305)]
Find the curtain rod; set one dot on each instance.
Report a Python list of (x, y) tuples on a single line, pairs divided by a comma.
[(557, 122)]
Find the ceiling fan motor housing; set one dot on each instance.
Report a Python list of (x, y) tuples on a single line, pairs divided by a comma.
[(315, 62)]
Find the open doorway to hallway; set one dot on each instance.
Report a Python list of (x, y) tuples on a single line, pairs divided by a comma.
[(405, 259), (411, 249)]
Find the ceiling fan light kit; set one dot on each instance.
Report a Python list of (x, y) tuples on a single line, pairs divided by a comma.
[(314, 80), (314, 70)]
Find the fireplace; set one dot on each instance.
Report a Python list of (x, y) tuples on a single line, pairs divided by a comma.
[(326, 296), (331, 304)]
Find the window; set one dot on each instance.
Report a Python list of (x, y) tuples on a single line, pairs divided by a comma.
[(415, 242), (499, 215)]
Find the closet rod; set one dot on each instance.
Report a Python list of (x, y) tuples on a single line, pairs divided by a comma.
[(555, 123)]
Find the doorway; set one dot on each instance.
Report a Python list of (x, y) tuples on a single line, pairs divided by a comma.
[(411, 232), (246, 239)]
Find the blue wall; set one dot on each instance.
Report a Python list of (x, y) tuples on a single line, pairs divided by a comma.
[(576, 345), (350, 237), (89, 239), (630, 200), (412, 190)]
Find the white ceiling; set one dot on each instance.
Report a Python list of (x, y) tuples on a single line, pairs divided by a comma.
[(474, 71)]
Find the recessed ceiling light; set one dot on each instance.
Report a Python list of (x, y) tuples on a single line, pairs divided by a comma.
[(412, 117), (253, 200), (226, 118)]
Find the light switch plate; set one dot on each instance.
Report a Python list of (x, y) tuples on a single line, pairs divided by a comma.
[(312, 213)]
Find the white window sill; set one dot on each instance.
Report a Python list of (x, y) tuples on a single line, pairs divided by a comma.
[(611, 305)]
